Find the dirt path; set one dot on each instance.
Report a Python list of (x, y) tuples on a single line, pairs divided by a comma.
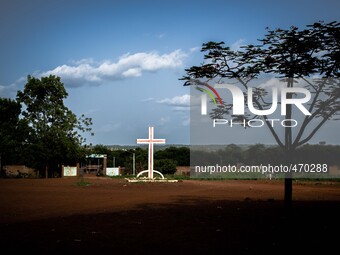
[(60, 216)]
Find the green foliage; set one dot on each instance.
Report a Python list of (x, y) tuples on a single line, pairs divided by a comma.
[(260, 154), (233, 154), (328, 154), (13, 131), (100, 149), (55, 137), (181, 155), (82, 183), (256, 154), (165, 166)]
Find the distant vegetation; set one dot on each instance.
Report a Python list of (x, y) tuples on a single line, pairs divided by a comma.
[(262, 154), (166, 159)]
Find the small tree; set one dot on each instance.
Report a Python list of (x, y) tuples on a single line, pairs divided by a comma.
[(55, 137), (289, 54), (166, 166)]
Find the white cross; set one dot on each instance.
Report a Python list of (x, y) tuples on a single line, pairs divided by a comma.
[(150, 142)]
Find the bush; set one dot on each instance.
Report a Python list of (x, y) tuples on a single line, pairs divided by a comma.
[(166, 166)]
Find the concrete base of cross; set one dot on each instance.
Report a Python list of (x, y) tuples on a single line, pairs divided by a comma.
[(145, 179), (148, 172)]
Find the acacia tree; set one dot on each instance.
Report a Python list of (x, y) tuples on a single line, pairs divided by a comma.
[(55, 136), (288, 54)]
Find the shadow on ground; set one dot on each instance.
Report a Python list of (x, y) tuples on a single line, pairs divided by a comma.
[(189, 226)]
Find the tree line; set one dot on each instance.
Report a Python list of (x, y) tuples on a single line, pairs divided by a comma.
[(166, 160), (258, 154)]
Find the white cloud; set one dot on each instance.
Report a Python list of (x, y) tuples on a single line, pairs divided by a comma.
[(132, 72), (237, 45), (273, 82), (10, 91), (86, 71), (194, 49), (83, 61), (183, 100)]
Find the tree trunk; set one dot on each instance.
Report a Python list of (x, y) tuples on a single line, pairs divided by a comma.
[(288, 193), (46, 170), (288, 187), (1, 173)]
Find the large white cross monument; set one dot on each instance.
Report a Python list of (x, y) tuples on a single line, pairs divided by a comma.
[(150, 141)]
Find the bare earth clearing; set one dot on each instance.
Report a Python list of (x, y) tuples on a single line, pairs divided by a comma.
[(112, 216)]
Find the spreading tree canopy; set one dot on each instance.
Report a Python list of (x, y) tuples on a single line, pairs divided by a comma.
[(311, 55)]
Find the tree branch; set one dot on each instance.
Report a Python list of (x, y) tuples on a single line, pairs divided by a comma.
[(316, 128), (272, 130), (309, 118)]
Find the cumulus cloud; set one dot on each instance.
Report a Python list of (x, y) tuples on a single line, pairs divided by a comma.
[(183, 101), (86, 71), (132, 72)]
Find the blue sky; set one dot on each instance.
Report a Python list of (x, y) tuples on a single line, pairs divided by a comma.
[(121, 60)]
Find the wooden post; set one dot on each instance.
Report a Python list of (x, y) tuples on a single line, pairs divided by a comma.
[(104, 165)]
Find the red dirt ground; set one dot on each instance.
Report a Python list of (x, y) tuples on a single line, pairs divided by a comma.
[(112, 216)]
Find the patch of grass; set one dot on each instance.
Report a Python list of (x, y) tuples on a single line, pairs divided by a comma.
[(177, 177), (82, 183)]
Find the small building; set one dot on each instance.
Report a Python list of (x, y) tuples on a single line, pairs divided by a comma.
[(183, 170)]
